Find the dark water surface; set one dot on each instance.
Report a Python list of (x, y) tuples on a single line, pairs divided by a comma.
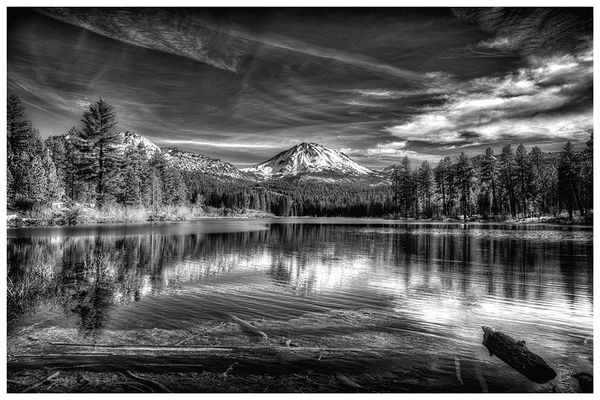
[(444, 281)]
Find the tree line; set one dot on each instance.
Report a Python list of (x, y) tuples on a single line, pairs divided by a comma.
[(89, 165), (513, 184)]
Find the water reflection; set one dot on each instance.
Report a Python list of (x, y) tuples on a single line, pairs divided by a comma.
[(442, 277)]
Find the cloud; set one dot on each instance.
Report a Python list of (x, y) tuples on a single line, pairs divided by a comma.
[(221, 44), (216, 144), (541, 32), (502, 43), (379, 149), (82, 103), (534, 101), (378, 83)]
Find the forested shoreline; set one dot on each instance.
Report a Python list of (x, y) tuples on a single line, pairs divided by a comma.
[(85, 176), (514, 185)]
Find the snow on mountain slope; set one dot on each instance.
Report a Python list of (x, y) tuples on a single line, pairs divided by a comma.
[(306, 161), (180, 159), (187, 161), (308, 158), (131, 139)]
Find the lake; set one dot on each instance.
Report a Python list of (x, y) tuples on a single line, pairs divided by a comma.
[(429, 287)]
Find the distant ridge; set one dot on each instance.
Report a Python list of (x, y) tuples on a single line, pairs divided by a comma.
[(305, 160), (195, 162), (181, 159)]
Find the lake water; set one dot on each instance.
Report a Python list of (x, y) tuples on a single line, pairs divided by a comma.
[(438, 283)]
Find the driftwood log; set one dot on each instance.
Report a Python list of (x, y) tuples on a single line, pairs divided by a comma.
[(517, 355), (248, 359)]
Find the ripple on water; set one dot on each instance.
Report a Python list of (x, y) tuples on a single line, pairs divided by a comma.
[(426, 289)]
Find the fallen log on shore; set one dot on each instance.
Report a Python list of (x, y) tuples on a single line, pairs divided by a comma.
[(249, 359), (517, 355), (199, 348)]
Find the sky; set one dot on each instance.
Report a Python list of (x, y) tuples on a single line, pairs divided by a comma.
[(378, 84)]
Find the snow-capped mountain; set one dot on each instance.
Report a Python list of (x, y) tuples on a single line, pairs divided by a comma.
[(304, 161), (308, 158), (188, 161)]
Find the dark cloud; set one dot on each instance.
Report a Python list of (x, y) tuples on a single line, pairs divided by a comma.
[(469, 135), (243, 84), (541, 32)]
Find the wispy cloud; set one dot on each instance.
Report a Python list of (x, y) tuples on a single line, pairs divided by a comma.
[(217, 144), (223, 45)]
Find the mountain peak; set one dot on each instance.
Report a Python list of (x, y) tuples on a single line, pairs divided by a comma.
[(309, 144), (308, 157), (135, 141)]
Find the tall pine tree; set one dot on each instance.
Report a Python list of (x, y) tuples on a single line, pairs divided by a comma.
[(97, 143), (524, 178), (33, 180), (464, 177), (488, 176), (444, 181), (426, 187), (507, 177), (568, 178)]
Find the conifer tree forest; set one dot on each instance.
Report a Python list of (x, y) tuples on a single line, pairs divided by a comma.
[(88, 166)]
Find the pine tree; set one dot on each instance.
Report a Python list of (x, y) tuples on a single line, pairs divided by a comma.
[(174, 189), (33, 182), (31, 169), (587, 173), (21, 135), (97, 143), (396, 187), (568, 178), (444, 181), (426, 187), (507, 178), (132, 195), (484, 200), (136, 178), (54, 187), (64, 157), (464, 177), (255, 200), (156, 193), (539, 175), (403, 186), (524, 177), (488, 175)]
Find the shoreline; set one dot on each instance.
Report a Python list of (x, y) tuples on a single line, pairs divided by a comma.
[(84, 216), (20, 222)]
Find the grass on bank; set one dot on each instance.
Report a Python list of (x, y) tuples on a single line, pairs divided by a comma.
[(79, 214)]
